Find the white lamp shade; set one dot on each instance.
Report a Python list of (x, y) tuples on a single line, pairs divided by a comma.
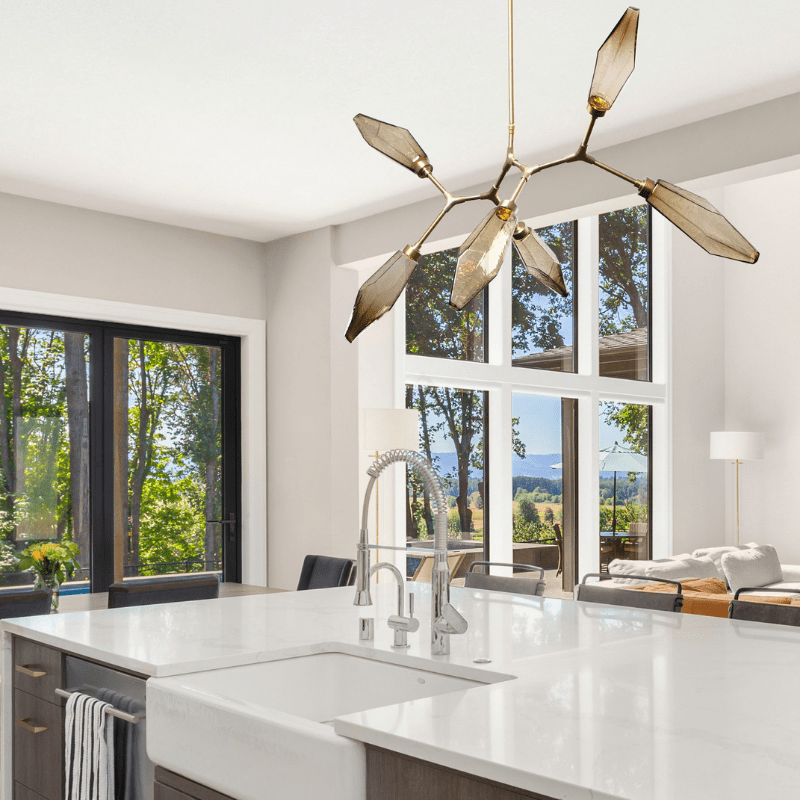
[(737, 445), (383, 429)]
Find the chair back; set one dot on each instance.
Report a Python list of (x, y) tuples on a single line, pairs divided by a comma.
[(24, 602), (594, 593), (764, 612), (326, 572), (148, 591), (495, 583), (424, 570)]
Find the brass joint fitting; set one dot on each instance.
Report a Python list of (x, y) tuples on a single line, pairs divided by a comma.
[(521, 231), (423, 168), (596, 112), (646, 188), (411, 252)]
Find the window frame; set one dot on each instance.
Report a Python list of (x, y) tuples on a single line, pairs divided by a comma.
[(101, 337)]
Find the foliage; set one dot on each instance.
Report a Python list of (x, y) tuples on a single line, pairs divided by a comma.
[(173, 393), (624, 266), (630, 512), (51, 559), (539, 315), (525, 531), (527, 510)]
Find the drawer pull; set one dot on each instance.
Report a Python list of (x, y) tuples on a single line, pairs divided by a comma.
[(32, 727), (31, 672)]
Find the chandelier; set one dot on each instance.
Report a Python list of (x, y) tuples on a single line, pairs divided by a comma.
[(483, 252)]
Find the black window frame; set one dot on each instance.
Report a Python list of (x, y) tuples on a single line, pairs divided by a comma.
[(101, 394)]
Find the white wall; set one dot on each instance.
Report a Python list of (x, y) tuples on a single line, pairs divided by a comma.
[(762, 381), (312, 406), (72, 251), (698, 391)]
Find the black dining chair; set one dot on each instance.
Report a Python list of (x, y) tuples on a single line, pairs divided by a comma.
[(175, 589), (326, 572), (764, 612), (499, 583), (594, 593), (24, 602)]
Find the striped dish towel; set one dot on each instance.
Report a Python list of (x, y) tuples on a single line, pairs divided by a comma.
[(88, 749)]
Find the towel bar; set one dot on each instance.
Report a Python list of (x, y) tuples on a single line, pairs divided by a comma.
[(111, 711)]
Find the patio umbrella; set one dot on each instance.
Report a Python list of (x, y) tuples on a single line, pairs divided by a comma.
[(620, 459)]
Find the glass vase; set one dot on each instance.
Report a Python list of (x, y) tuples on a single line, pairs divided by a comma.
[(49, 582)]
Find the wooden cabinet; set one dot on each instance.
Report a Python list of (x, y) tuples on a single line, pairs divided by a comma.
[(38, 739), (391, 776), (170, 786)]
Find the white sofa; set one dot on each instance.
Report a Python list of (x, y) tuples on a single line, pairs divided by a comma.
[(750, 565)]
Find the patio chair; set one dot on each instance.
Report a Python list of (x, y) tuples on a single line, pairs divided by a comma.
[(497, 583), (24, 602), (594, 593), (764, 612), (174, 589), (560, 543)]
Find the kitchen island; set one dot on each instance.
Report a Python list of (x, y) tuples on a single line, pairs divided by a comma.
[(603, 702)]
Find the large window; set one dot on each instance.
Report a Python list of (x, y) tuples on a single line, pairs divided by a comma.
[(124, 441), (561, 379)]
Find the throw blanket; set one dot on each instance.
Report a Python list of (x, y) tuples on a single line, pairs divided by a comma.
[(89, 749), (709, 596)]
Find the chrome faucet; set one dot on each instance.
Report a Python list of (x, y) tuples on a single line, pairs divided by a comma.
[(445, 619), (401, 625)]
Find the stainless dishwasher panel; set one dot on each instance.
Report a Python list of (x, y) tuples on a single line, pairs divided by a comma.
[(81, 673)]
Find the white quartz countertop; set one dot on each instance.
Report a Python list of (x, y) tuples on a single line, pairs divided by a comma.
[(607, 701)]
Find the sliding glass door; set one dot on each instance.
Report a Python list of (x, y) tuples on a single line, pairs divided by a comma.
[(123, 440)]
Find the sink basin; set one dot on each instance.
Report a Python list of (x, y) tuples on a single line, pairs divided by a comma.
[(263, 729)]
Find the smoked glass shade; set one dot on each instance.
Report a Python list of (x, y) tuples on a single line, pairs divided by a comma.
[(699, 220), (380, 292), (615, 62), (540, 261), (481, 255), (397, 143)]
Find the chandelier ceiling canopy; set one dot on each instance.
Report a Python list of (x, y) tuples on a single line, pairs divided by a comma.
[(483, 252)]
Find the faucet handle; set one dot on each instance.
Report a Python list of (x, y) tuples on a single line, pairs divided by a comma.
[(451, 621), (411, 605)]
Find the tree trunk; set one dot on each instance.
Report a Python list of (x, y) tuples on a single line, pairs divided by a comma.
[(78, 419), (426, 448), (17, 360), (213, 537), (412, 531), (5, 440), (141, 464)]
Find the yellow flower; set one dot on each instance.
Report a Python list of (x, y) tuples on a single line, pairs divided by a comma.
[(37, 555)]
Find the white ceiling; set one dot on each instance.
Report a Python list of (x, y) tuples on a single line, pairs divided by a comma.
[(235, 116)]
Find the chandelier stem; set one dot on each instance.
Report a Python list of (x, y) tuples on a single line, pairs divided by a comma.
[(628, 178), (511, 124)]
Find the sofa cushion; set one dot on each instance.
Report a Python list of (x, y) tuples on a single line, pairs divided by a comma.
[(684, 568), (716, 553), (754, 567), (620, 567)]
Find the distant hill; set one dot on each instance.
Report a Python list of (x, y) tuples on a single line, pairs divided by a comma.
[(533, 466)]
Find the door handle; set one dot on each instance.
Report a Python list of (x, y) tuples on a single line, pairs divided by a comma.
[(230, 522), (31, 672), (32, 727)]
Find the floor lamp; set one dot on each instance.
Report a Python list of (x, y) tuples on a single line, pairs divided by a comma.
[(738, 447), (384, 429)]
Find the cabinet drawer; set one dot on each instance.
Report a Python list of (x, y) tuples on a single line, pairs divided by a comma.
[(38, 745), (37, 669), (24, 793)]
